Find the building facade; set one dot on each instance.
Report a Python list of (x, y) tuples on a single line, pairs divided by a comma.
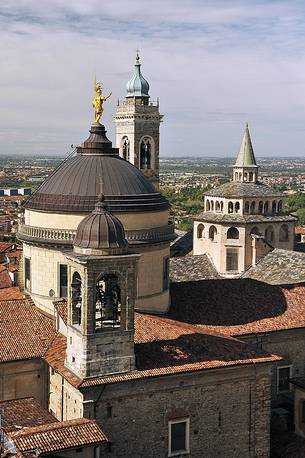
[(243, 219), (137, 122)]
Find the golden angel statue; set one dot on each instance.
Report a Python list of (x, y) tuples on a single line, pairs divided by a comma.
[(98, 101)]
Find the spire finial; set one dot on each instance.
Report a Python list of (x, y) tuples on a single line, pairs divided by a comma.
[(138, 56), (101, 204)]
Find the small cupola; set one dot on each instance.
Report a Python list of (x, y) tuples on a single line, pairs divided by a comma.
[(137, 86), (100, 233), (245, 168)]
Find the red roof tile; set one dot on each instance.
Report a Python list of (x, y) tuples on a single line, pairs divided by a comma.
[(24, 412), (62, 310), (164, 347), (59, 436), (237, 307), (5, 279), (5, 246), (9, 294), (24, 331)]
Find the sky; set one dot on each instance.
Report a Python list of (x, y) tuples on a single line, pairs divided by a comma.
[(215, 65)]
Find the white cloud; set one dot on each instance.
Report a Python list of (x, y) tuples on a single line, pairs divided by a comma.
[(214, 65)]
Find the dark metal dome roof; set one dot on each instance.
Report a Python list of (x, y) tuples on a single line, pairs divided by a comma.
[(101, 231), (74, 187)]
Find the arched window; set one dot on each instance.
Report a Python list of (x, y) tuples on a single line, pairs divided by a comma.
[(208, 206), (200, 231), (145, 153), (255, 231), (252, 207), (212, 205), (247, 207), (240, 176), (236, 176), (266, 207), (76, 299), (108, 303), (212, 233), (237, 207), (232, 233), (280, 206), (274, 206), (221, 206), (269, 234), (284, 233), (230, 207), (250, 176), (217, 206), (246, 176), (126, 148), (260, 207)]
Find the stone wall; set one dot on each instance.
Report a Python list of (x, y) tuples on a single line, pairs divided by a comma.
[(229, 412), (290, 345), (21, 379)]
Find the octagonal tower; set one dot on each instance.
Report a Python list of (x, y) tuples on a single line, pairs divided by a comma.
[(243, 219)]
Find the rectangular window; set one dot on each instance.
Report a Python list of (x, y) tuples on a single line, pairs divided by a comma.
[(283, 376), (27, 273), (165, 273), (179, 431), (232, 260), (63, 280)]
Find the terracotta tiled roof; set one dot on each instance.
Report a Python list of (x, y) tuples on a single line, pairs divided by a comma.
[(13, 267), (62, 310), (9, 294), (5, 279), (59, 436), (24, 331), (5, 246), (164, 347), (299, 230), (24, 412), (14, 254), (236, 307)]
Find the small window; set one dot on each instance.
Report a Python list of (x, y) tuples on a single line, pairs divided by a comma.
[(208, 206), (230, 207), (252, 208), (165, 273), (200, 231), (63, 280), (283, 376), (212, 233), (237, 207), (260, 207), (247, 207), (27, 273), (274, 206), (232, 260), (179, 431), (232, 233), (250, 176), (266, 207)]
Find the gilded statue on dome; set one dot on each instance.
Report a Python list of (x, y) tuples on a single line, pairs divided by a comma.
[(98, 101)]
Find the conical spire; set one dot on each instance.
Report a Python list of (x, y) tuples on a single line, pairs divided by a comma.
[(137, 86), (245, 157)]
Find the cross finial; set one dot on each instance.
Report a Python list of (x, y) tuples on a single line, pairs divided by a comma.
[(138, 55)]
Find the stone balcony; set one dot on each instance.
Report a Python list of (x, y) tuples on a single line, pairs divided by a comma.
[(65, 237)]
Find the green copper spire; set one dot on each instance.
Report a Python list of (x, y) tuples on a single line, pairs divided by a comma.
[(137, 86), (246, 156)]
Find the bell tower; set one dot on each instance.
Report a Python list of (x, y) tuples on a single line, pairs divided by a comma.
[(102, 279), (137, 122)]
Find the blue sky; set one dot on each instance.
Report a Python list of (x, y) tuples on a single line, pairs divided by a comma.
[(214, 64)]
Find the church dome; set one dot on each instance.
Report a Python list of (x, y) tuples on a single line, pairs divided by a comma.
[(75, 185), (137, 86), (102, 231)]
